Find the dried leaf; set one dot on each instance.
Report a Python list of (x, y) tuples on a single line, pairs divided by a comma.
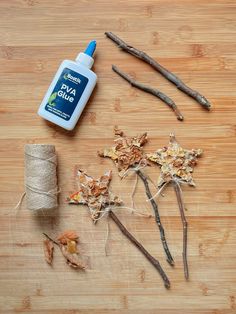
[(48, 250), (175, 162), (118, 131), (94, 193), (76, 198), (127, 152), (72, 259), (72, 247), (66, 236)]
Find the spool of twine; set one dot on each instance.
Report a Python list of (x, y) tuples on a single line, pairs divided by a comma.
[(41, 176)]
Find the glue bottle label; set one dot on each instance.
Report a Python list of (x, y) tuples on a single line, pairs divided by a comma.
[(66, 94)]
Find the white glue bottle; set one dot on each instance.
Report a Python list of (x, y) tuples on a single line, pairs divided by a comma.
[(70, 90)]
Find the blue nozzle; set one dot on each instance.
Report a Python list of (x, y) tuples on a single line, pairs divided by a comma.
[(91, 48)]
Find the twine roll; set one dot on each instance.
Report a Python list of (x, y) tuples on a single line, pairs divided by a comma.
[(41, 176)]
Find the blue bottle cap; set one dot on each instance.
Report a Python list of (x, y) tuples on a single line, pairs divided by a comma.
[(91, 48)]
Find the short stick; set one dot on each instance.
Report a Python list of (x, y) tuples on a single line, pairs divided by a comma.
[(167, 100)]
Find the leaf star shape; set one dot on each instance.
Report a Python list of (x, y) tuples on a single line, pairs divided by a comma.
[(175, 162), (127, 152), (94, 193)]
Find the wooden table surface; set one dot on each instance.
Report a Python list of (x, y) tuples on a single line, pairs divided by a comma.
[(194, 39)]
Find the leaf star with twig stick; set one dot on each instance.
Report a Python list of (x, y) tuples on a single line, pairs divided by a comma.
[(96, 195), (128, 154), (177, 165)]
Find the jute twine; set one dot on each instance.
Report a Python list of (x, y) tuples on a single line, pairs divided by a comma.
[(41, 176)]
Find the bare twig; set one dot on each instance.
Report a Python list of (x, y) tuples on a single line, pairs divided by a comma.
[(167, 100), (107, 236), (185, 228), (150, 258), (158, 67), (157, 217), (49, 238)]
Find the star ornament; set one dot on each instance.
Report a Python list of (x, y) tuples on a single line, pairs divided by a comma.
[(175, 162), (94, 193), (127, 151)]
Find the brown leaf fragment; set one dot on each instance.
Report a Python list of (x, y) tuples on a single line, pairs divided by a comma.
[(72, 247), (72, 259), (118, 132), (68, 235), (48, 250)]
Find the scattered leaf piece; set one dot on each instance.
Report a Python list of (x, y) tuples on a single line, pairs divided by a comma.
[(118, 131), (48, 250), (69, 235), (72, 259), (72, 247)]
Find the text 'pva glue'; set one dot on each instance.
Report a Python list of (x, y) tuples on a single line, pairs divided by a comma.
[(70, 90)]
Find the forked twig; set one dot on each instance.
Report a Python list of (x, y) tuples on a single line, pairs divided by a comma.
[(158, 67), (157, 217), (150, 258), (185, 228), (167, 100)]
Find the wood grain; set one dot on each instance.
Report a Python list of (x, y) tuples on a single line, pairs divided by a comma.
[(194, 39)]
